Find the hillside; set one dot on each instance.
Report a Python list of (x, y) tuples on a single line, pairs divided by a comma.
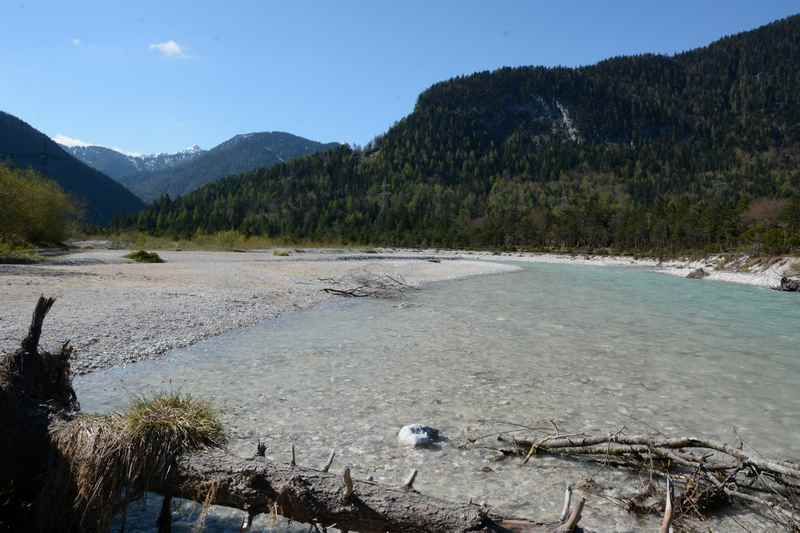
[(241, 153), (100, 197), (699, 150), (118, 165)]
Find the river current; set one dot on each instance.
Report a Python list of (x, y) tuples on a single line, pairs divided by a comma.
[(590, 348)]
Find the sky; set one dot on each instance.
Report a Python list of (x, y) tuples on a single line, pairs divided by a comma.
[(158, 76)]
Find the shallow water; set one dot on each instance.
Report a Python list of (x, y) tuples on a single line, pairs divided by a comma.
[(594, 348)]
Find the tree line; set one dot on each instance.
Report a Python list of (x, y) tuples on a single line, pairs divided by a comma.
[(648, 153)]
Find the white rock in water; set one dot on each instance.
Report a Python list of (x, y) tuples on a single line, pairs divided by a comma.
[(417, 435)]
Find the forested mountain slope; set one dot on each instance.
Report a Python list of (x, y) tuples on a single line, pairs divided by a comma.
[(100, 197), (698, 150)]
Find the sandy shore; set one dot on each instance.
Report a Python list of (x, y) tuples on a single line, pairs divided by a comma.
[(116, 312)]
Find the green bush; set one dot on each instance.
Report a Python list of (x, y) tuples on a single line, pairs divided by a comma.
[(33, 209), (145, 257), (11, 254)]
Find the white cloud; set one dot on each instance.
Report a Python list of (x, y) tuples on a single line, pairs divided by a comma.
[(169, 49), (76, 42), (69, 141)]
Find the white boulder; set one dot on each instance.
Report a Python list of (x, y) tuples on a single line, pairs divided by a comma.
[(415, 435)]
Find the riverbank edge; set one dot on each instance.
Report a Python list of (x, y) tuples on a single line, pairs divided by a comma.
[(760, 271), (117, 312)]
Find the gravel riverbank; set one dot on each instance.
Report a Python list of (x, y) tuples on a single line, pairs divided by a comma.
[(117, 312)]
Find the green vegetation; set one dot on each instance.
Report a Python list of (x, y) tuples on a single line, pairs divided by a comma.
[(645, 155), (145, 257), (18, 255), (220, 241), (177, 422), (33, 209), (281, 253)]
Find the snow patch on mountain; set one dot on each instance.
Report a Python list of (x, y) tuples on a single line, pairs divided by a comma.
[(118, 163), (568, 123)]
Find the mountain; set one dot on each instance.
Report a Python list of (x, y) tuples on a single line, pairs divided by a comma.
[(239, 154), (176, 174), (119, 165), (699, 150), (101, 197)]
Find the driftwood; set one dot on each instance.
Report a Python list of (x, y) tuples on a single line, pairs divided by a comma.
[(710, 473), (35, 391), (367, 284)]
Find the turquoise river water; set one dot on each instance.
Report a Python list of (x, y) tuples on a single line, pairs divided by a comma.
[(594, 348)]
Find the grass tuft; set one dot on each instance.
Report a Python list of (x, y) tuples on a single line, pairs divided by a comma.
[(281, 253), (178, 422), (104, 459), (145, 257)]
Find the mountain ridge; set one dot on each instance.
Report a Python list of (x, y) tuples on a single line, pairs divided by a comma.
[(117, 164), (102, 198), (182, 172)]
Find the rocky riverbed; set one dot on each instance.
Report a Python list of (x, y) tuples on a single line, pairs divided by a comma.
[(116, 311)]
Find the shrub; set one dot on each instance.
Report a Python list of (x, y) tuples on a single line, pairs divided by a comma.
[(34, 208), (145, 257)]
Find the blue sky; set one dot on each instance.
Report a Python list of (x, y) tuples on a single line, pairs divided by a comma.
[(151, 76)]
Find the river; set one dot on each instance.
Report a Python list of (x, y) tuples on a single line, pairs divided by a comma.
[(591, 348)]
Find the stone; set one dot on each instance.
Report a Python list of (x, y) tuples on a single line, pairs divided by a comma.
[(417, 435), (698, 274)]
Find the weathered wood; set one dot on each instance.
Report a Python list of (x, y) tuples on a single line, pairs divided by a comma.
[(329, 463), (311, 496), (666, 523), (30, 343), (727, 473), (567, 503), (600, 444), (35, 390)]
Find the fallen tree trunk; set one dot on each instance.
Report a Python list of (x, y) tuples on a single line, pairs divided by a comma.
[(302, 494), (326, 499)]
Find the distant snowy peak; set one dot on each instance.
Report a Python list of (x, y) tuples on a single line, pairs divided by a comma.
[(164, 160), (118, 165)]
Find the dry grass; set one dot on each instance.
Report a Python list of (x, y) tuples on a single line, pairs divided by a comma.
[(222, 240), (177, 422), (109, 460)]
